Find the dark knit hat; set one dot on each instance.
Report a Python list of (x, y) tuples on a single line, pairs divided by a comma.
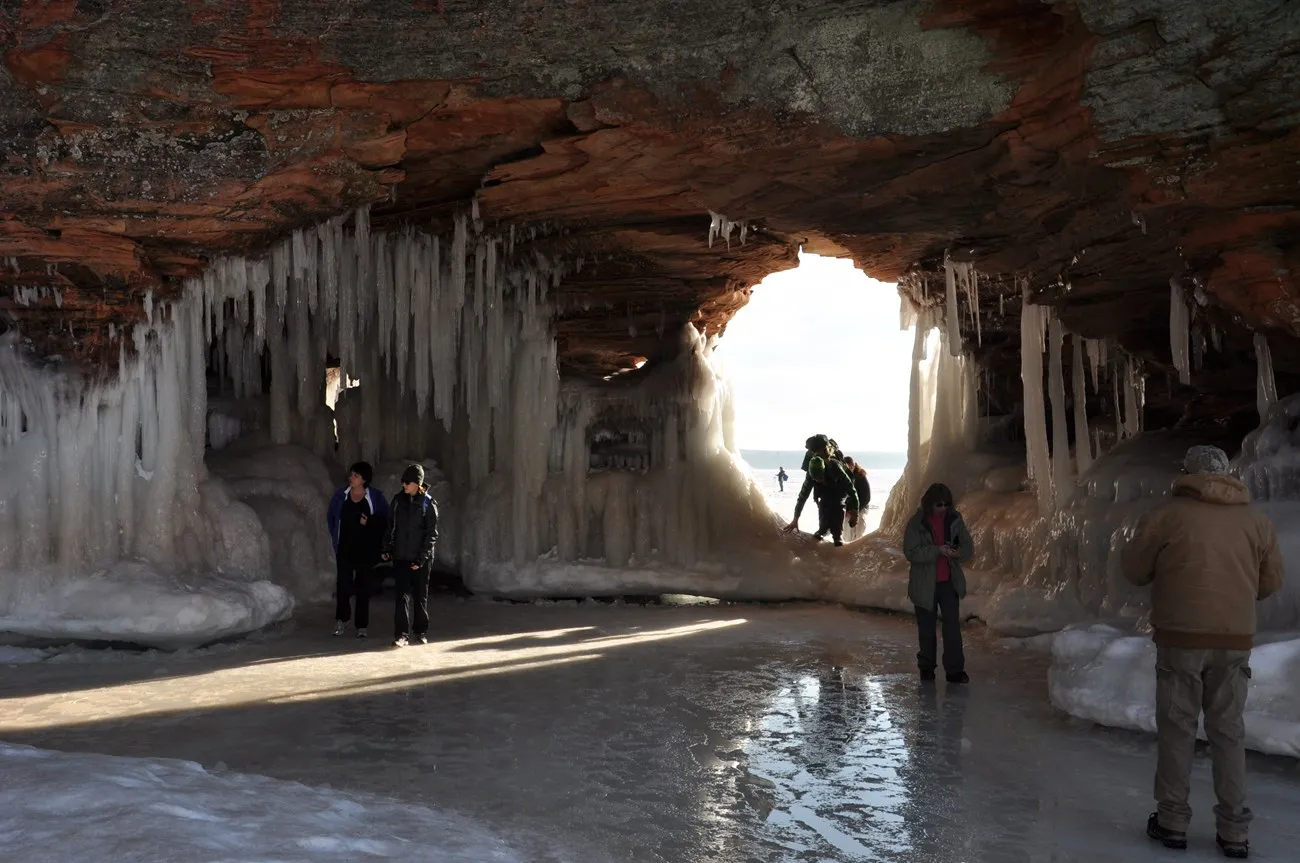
[(413, 473)]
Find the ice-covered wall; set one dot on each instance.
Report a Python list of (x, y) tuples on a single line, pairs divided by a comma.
[(110, 527)]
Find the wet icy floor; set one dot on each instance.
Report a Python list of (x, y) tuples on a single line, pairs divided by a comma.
[(596, 733)]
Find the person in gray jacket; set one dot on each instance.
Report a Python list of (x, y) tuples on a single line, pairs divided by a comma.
[(412, 535), (936, 543)]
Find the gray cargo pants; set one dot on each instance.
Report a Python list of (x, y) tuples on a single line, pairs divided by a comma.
[(1187, 682)]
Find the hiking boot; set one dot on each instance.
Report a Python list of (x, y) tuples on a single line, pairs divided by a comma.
[(339, 626), (1175, 839), (1235, 850), (960, 678), (421, 639), (400, 641), (361, 633), (927, 675)]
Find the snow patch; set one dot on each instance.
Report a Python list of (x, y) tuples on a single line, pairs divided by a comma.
[(59, 807), (1107, 675)]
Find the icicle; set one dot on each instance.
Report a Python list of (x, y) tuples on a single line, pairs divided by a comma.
[(1032, 322), (1265, 382), (1134, 396), (1001, 313), (148, 306), (1179, 330), (1082, 439), (1060, 435), (280, 259), (950, 298), (1216, 339)]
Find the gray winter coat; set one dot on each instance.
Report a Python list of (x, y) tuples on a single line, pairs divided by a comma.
[(922, 552)]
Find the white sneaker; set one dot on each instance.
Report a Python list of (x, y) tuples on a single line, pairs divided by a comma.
[(400, 641), (340, 626), (361, 633)]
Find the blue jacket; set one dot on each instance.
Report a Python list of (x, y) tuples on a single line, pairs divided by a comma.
[(378, 508)]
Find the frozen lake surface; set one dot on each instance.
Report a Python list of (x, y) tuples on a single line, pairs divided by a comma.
[(567, 732)]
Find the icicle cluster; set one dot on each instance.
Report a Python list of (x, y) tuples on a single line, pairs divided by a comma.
[(721, 226), (97, 473)]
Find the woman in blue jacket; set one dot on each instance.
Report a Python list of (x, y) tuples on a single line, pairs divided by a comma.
[(357, 520)]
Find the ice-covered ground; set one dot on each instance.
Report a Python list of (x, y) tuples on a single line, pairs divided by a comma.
[(57, 807), (1107, 675), (593, 733)]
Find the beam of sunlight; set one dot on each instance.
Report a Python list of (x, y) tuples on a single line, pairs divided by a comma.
[(333, 675)]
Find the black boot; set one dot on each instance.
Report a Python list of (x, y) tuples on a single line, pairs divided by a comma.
[(1175, 839), (927, 675), (1236, 850), (960, 677)]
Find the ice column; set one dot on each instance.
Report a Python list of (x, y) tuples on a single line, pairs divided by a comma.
[(1265, 382), (1180, 324), (1060, 435), (950, 302), (1082, 438), (1033, 323)]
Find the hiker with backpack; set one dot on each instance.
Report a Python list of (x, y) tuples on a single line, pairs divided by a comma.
[(412, 535), (831, 487)]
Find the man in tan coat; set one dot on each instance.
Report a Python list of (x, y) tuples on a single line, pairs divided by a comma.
[(1209, 556)]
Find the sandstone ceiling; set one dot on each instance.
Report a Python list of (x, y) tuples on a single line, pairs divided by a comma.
[(1096, 148)]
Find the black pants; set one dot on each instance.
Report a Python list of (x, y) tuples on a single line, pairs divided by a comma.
[(412, 589), (830, 519), (353, 581), (954, 657)]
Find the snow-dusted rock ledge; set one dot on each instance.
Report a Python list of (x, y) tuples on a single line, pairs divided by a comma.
[(1108, 676)]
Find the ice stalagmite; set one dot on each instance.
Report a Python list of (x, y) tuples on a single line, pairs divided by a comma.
[(1082, 437), (1265, 382), (1061, 468), (1179, 331), (1033, 323)]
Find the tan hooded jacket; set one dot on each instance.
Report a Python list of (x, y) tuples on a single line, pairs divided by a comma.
[(1209, 557)]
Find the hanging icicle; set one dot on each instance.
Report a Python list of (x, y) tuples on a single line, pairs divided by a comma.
[(1265, 382), (1180, 324)]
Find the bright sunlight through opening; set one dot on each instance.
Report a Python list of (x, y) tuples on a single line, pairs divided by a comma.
[(818, 349)]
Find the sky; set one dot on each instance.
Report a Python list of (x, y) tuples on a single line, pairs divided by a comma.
[(818, 350)]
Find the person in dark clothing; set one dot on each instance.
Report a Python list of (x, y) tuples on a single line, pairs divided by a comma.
[(859, 476), (781, 477), (357, 518), (833, 490), (936, 543), (412, 534)]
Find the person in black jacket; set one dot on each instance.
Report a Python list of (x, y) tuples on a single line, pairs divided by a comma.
[(412, 533)]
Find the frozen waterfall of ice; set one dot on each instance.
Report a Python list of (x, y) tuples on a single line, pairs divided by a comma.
[(1180, 325), (109, 524)]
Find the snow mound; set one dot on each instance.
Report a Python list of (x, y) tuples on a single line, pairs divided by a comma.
[(138, 603), (1108, 676), (69, 807)]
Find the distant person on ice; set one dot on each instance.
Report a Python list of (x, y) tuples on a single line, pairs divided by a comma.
[(1208, 556), (781, 477), (832, 489), (412, 533), (936, 543), (357, 519)]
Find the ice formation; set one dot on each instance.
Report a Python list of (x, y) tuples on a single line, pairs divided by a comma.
[(1082, 438), (1265, 382), (1033, 331), (1180, 324), (721, 226), (1108, 675), (1062, 479), (106, 807), (107, 494)]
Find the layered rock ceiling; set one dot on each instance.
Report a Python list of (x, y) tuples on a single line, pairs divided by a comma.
[(1096, 148)]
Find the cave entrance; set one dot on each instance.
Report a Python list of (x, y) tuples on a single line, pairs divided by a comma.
[(818, 350)]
